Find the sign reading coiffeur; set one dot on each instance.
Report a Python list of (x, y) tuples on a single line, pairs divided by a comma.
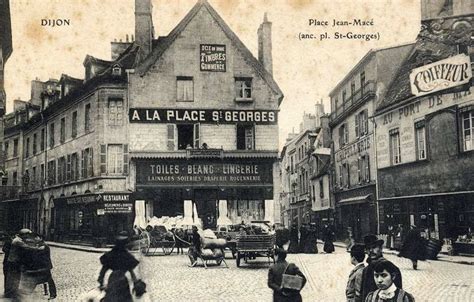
[(451, 72), (154, 115)]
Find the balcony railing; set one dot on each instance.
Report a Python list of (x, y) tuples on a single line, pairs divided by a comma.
[(359, 96), (9, 192)]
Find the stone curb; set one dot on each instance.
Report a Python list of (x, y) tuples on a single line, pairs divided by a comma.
[(338, 244), (441, 257)]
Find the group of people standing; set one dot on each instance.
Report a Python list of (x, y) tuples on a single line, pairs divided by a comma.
[(379, 280), (26, 264), (304, 239)]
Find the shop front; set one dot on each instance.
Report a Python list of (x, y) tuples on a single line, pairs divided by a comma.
[(356, 213), (209, 192), (18, 214), (91, 218)]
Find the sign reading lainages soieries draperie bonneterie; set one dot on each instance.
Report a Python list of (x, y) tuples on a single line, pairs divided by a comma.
[(447, 73), (209, 116), (212, 57)]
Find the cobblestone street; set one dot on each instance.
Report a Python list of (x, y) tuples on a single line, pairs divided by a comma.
[(170, 279)]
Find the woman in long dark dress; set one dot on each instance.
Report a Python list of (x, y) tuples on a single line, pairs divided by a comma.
[(294, 245), (120, 261), (413, 247), (328, 237)]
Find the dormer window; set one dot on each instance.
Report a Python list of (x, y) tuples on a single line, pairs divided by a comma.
[(243, 89), (116, 70)]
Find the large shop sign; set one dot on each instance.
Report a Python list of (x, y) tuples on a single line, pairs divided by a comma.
[(206, 116), (212, 57), (451, 72), (204, 173)]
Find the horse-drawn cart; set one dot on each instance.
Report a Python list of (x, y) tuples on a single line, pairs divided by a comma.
[(155, 238), (248, 247)]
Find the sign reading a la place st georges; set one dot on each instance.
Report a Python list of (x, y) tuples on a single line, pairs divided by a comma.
[(444, 74)]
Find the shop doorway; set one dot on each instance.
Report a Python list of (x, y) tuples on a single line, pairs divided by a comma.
[(206, 205)]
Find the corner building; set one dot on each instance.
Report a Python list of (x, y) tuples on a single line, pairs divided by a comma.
[(203, 114)]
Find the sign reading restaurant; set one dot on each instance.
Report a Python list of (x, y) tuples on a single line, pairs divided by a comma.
[(210, 116), (208, 173), (212, 57), (447, 73)]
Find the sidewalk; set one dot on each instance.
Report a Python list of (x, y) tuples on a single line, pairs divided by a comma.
[(441, 256)]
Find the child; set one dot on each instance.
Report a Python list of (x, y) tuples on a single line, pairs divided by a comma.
[(385, 272), (354, 284)]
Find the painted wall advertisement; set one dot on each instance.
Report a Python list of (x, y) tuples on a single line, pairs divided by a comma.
[(212, 57)]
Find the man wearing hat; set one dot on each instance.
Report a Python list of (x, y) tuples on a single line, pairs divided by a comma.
[(15, 260), (374, 249), (354, 284)]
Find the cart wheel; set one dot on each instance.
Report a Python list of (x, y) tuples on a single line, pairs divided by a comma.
[(167, 250), (144, 242), (238, 259)]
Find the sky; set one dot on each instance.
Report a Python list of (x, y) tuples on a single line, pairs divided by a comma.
[(305, 69)]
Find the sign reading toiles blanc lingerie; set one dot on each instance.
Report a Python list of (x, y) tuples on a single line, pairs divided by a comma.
[(205, 173), (212, 57)]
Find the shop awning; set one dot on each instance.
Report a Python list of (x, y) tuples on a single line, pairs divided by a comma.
[(355, 200)]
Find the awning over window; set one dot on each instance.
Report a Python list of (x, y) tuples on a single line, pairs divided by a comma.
[(355, 200)]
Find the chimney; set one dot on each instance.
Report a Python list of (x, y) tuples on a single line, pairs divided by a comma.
[(117, 48), (265, 44), (143, 27), (37, 87)]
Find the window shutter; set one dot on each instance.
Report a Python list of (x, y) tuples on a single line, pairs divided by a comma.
[(341, 136), (125, 159), (366, 121), (367, 175), (103, 159), (171, 143), (357, 121), (68, 168), (91, 163), (83, 166), (197, 135), (359, 169)]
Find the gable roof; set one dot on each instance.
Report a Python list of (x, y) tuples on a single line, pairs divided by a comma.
[(399, 90), (166, 42)]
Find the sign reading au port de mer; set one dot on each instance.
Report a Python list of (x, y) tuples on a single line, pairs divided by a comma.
[(447, 73), (205, 116), (212, 57)]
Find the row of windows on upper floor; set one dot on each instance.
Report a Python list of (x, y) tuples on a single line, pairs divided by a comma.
[(466, 138), (35, 143), (114, 160), (185, 89), (342, 94), (361, 126)]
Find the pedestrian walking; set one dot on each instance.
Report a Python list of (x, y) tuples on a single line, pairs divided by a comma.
[(311, 245), (120, 261), (328, 238), (37, 267), (390, 237), (294, 242), (304, 233), (15, 261), (385, 276), (374, 250), (7, 244), (195, 249), (350, 236), (354, 284), (279, 273), (413, 247)]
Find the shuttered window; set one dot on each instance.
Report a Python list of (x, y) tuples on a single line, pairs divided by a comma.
[(114, 159)]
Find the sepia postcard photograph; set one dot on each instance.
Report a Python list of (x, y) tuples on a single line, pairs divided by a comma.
[(237, 150)]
